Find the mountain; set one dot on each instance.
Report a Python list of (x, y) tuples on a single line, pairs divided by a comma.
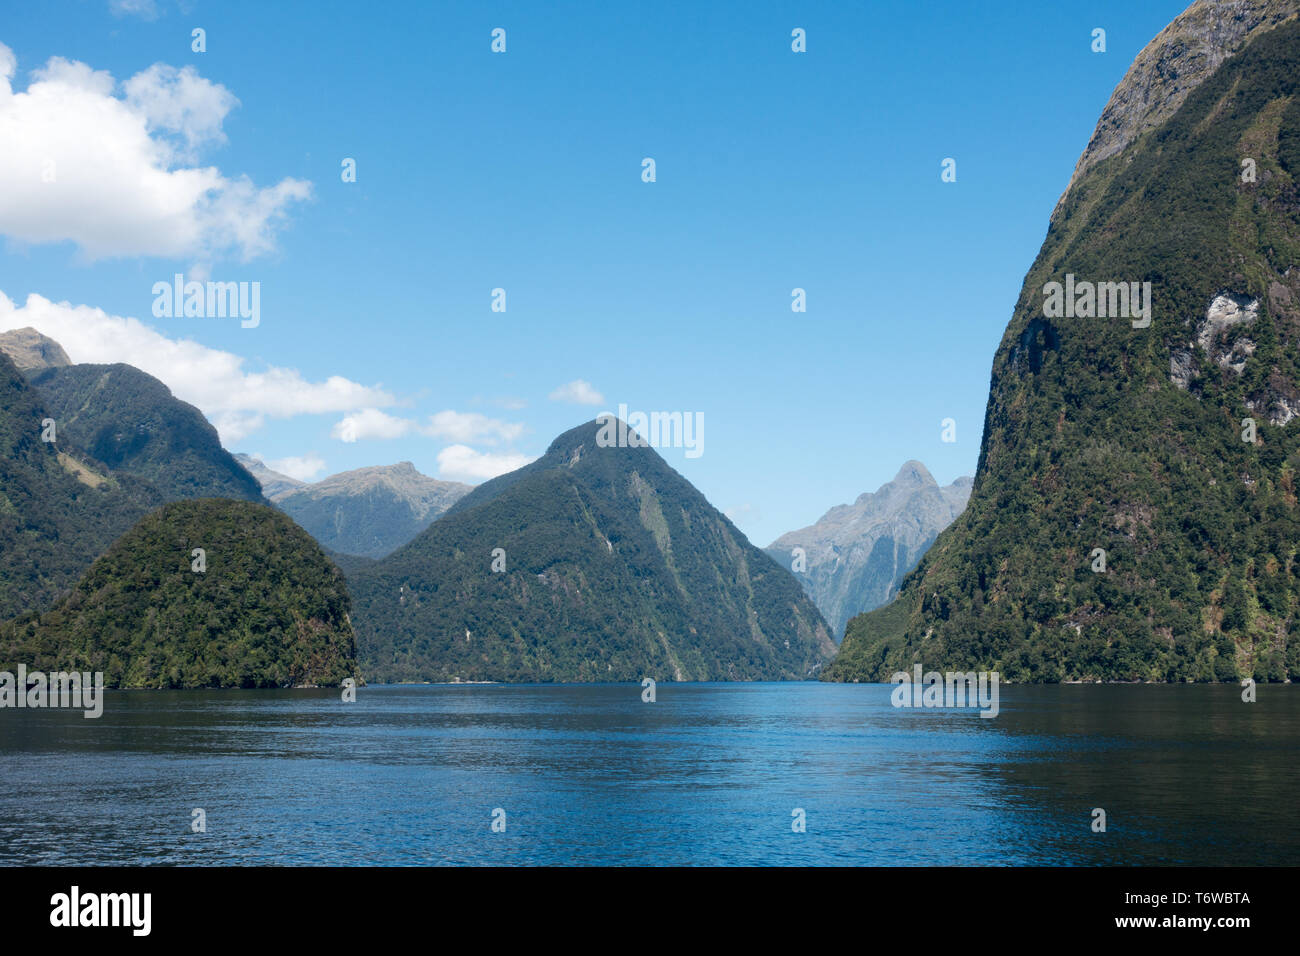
[(131, 422), (30, 349), (274, 485), (371, 511), (856, 555), (1178, 60), (615, 568), (1134, 514), (58, 508), (269, 610)]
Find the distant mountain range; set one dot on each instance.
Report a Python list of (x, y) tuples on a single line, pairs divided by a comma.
[(855, 556), (610, 566), (274, 485), (592, 563), (367, 512)]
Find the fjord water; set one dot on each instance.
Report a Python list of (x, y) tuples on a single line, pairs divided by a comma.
[(707, 774)]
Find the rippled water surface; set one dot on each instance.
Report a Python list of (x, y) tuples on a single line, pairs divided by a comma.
[(707, 774)]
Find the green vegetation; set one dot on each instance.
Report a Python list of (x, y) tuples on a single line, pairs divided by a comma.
[(1088, 444), (269, 610), (616, 568), (58, 510), (131, 422)]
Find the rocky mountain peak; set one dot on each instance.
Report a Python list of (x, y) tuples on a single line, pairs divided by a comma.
[(914, 473), (274, 484), (857, 554), (1178, 60), (30, 349)]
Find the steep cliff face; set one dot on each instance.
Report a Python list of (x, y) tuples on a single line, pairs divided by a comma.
[(1179, 59), (855, 556), (1134, 514)]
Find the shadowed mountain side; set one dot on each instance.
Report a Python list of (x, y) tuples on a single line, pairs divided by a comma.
[(131, 422), (59, 509), (615, 568)]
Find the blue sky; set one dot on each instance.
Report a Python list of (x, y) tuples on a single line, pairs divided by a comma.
[(522, 171)]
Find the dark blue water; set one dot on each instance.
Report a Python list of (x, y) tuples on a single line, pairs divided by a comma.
[(708, 774)]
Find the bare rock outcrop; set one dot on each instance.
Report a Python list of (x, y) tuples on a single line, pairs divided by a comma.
[(1178, 60)]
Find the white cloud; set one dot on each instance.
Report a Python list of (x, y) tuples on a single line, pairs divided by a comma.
[(147, 9), (471, 426), (180, 102), (577, 392), (303, 467), (370, 423), (115, 174), (448, 425), (236, 400), (233, 427), (462, 463)]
